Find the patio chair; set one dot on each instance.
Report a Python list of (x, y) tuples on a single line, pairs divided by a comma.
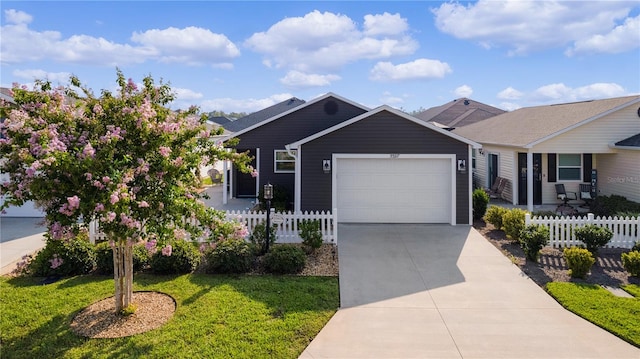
[(565, 196), (498, 186), (585, 194)]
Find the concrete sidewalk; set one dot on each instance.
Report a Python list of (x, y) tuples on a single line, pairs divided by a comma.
[(19, 237), (437, 291)]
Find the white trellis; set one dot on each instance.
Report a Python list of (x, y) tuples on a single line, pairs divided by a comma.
[(561, 235), (287, 224)]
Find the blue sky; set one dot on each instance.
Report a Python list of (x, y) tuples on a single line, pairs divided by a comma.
[(243, 56)]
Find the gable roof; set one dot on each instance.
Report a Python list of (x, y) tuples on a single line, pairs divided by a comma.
[(632, 142), (459, 112), (529, 126), (379, 109), (263, 121), (262, 115), (220, 120)]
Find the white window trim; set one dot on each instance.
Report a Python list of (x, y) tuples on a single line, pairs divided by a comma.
[(276, 161), (558, 166)]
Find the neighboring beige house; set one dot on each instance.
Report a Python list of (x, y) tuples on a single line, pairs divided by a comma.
[(535, 148)]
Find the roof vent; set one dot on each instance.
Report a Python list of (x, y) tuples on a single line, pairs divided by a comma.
[(330, 107)]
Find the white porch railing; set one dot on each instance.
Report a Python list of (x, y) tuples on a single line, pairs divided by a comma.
[(625, 230), (287, 224)]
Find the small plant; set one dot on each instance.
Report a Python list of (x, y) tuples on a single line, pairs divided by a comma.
[(636, 247), (593, 237), (579, 261), (533, 238), (285, 259), (480, 202), (128, 310), (311, 235), (259, 236), (494, 216), (230, 256), (513, 223), (177, 257), (64, 257), (631, 262)]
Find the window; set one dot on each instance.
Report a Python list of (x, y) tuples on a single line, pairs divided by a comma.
[(569, 167), (284, 163)]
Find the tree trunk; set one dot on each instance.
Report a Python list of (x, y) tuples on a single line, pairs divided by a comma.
[(123, 273)]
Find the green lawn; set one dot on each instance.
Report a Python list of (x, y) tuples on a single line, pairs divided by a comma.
[(216, 316), (620, 316)]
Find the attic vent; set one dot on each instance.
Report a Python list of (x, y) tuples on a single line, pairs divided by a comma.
[(466, 102), (330, 107)]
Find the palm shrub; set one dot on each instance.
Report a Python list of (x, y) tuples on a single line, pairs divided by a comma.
[(309, 231), (593, 236), (229, 256), (579, 261), (64, 257), (285, 259), (631, 262), (513, 223), (259, 236), (177, 257), (494, 215), (533, 238), (480, 202)]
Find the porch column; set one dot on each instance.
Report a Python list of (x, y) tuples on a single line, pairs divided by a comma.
[(530, 181), (224, 182)]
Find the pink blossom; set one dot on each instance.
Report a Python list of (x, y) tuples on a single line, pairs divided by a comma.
[(179, 233), (88, 151), (88, 176), (164, 151), (55, 261), (143, 204), (114, 198), (98, 184), (151, 246), (177, 162), (110, 217), (166, 251), (106, 180), (74, 202), (99, 207), (254, 173)]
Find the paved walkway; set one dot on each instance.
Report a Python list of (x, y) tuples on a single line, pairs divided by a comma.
[(437, 291), (19, 237)]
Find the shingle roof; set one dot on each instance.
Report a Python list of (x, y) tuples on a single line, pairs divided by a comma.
[(220, 120), (633, 141), (264, 114), (527, 126), (459, 112)]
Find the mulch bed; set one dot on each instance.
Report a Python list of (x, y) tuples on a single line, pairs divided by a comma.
[(551, 267)]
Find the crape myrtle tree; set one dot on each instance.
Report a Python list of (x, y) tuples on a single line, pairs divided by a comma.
[(122, 159)]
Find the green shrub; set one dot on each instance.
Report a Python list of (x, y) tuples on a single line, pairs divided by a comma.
[(636, 247), (494, 216), (309, 231), (185, 258), (230, 256), (64, 257), (593, 236), (579, 261), (259, 236), (611, 205), (104, 258), (631, 263), (533, 238), (480, 202), (285, 259), (513, 223)]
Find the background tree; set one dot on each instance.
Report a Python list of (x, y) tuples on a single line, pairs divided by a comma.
[(122, 159)]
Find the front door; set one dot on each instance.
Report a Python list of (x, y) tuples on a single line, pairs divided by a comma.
[(493, 168), (245, 183), (522, 178)]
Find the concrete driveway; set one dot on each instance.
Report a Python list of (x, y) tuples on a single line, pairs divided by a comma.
[(437, 291)]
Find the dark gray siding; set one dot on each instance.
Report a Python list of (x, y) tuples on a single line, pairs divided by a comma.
[(381, 133), (290, 128)]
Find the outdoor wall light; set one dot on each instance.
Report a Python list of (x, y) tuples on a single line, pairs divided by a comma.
[(462, 166), (326, 166), (268, 191), (268, 196)]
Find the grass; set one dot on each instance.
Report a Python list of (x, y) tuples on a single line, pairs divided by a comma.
[(216, 316), (632, 289), (620, 316)]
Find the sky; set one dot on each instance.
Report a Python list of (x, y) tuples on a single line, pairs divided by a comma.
[(244, 56)]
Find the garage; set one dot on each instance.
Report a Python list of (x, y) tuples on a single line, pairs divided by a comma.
[(394, 188)]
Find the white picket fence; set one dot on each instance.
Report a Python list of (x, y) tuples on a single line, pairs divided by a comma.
[(286, 223), (625, 230)]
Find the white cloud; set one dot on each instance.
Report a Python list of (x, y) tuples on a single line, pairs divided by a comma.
[(527, 26), (326, 41), (622, 38), (559, 93), (418, 69), (191, 45), (183, 94), (509, 106), (242, 105), (297, 79), (36, 74), (509, 94), (389, 99), (385, 24), (463, 91)]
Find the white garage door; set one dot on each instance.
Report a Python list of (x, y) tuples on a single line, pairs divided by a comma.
[(394, 190)]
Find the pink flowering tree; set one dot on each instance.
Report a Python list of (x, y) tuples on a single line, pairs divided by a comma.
[(122, 159)]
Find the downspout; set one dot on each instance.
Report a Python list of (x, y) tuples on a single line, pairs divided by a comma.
[(296, 186)]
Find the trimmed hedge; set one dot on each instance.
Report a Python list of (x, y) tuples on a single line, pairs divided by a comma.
[(185, 258), (230, 256), (285, 259)]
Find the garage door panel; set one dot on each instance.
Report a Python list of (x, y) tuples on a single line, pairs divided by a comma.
[(415, 190)]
